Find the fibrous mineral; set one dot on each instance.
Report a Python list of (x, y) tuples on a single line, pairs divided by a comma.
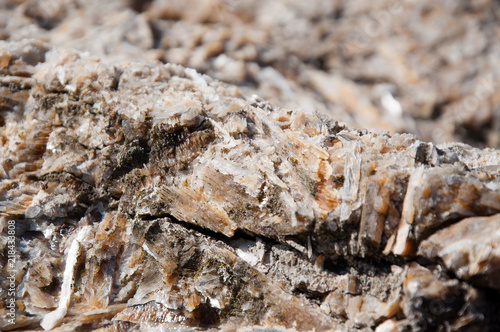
[(149, 195)]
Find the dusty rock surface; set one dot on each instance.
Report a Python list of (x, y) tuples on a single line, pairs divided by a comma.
[(149, 196)]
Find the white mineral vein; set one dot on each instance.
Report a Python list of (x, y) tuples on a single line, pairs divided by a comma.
[(73, 259)]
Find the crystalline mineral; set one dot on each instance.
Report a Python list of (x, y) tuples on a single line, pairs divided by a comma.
[(469, 248), (149, 195)]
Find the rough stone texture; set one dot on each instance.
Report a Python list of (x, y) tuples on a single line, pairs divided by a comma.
[(148, 196), (469, 248), (151, 196), (400, 65)]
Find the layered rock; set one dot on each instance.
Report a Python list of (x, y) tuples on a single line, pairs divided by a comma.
[(148, 195)]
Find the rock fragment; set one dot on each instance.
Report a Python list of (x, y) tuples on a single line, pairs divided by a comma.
[(469, 248)]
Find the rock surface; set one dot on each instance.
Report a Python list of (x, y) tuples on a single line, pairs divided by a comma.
[(469, 248), (400, 65), (149, 195)]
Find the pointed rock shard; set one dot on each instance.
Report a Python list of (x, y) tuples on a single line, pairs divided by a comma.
[(402, 242)]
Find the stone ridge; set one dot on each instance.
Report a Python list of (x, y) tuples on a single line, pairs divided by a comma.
[(147, 194)]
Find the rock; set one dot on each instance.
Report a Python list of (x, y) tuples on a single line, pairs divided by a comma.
[(186, 203), (148, 195), (469, 248)]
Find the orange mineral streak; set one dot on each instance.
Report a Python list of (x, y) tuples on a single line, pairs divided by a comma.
[(326, 198)]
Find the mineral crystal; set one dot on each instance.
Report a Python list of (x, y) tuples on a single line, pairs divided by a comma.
[(148, 195)]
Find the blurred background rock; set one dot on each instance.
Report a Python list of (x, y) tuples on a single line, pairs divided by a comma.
[(424, 67)]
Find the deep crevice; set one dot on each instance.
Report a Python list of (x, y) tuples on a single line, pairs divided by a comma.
[(238, 234)]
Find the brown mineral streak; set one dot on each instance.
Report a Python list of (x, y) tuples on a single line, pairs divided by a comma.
[(192, 157)]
